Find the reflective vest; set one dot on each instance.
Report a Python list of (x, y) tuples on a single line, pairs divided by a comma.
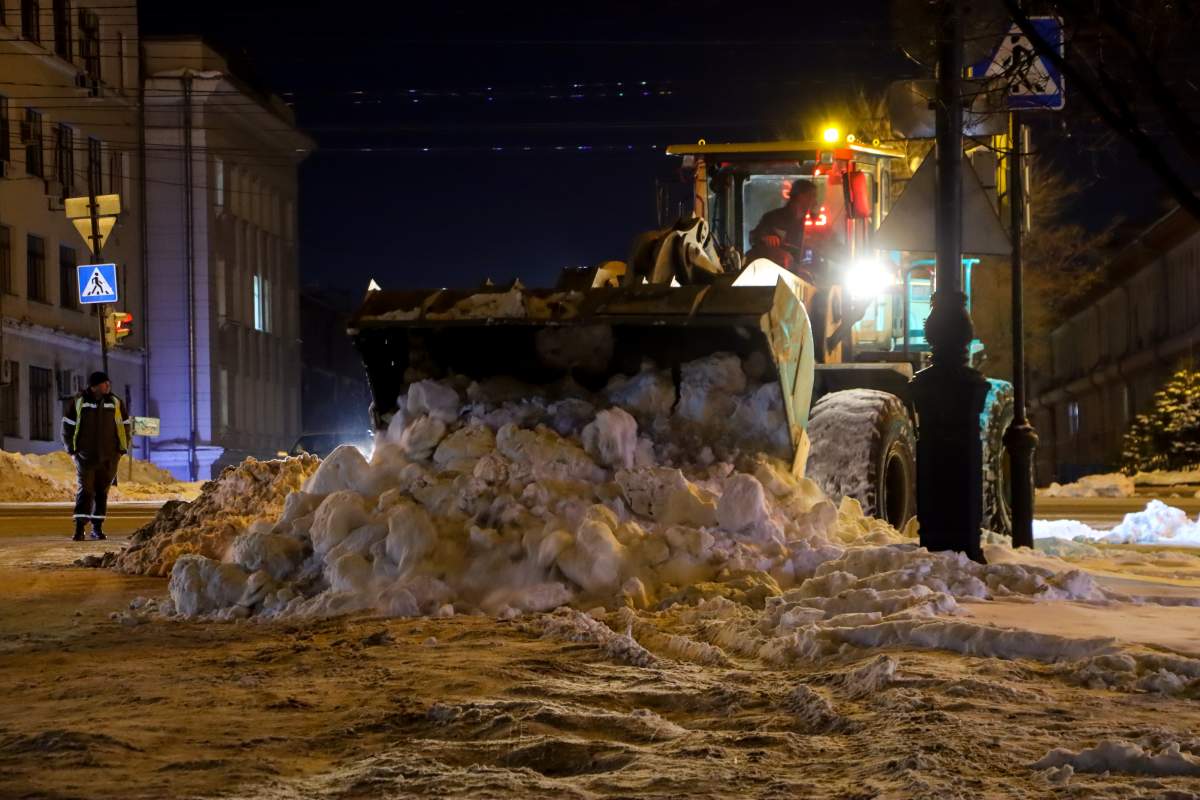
[(115, 406)]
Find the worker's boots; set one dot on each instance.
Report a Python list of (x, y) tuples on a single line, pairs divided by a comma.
[(97, 534), (79, 523)]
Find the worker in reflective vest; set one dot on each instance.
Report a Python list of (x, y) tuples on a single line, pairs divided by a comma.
[(96, 433)]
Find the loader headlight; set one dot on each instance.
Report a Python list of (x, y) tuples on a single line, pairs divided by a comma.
[(868, 279)]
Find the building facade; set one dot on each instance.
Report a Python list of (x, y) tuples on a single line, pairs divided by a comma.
[(69, 124), (1117, 350), (221, 184)]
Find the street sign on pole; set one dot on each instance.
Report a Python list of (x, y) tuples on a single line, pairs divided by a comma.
[(1034, 84), (97, 283), (146, 426)]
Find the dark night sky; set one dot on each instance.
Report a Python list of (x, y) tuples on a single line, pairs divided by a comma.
[(463, 210)]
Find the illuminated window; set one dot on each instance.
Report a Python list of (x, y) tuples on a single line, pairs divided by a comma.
[(258, 297), (223, 389), (219, 182), (220, 289), (1073, 417)]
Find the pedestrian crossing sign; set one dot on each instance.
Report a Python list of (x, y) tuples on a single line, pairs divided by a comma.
[(97, 283)]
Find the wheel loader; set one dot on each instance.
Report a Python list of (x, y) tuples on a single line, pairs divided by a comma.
[(841, 328)]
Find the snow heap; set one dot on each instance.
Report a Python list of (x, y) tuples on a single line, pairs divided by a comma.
[(1107, 485), (48, 478), (1158, 523), (209, 525), (502, 499)]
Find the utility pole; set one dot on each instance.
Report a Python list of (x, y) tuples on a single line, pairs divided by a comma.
[(1020, 439), (97, 243), (949, 394)]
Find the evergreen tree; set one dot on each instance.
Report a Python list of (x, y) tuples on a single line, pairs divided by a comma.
[(1168, 435)]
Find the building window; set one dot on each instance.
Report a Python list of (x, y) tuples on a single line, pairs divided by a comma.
[(41, 396), (95, 174), (258, 302), (64, 157), (223, 390), (5, 151), (68, 296), (222, 310), (31, 135), (122, 46), (219, 183), (35, 261), (89, 42), (1073, 417), (64, 381), (10, 402), (6, 275), (31, 20), (62, 28)]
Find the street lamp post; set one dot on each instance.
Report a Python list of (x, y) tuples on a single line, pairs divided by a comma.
[(1020, 438), (949, 394)]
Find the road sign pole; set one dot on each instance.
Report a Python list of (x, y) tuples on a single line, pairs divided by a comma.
[(94, 210), (1020, 439)]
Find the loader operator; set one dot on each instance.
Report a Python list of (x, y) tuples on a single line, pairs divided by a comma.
[(780, 233), (96, 434)]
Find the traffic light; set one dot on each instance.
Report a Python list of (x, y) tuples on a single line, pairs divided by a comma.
[(117, 327)]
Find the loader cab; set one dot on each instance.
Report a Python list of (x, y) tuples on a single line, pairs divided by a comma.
[(733, 185)]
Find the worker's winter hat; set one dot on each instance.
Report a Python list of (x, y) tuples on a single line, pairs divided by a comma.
[(803, 186), (97, 378)]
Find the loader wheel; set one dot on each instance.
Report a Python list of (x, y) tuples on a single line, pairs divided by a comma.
[(825, 312), (863, 447), (997, 475)]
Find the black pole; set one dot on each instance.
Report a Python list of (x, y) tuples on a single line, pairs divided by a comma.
[(949, 395), (94, 211), (1020, 439), (190, 248)]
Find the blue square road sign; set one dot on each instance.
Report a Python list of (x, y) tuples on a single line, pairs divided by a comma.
[(97, 283)]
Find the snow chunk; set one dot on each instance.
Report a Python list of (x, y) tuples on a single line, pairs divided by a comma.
[(612, 438), (199, 585), (434, 399), (666, 496), (344, 468), (421, 436), (743, 504)]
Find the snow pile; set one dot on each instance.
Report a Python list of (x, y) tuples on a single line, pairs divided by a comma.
[(495, 499), (1157, 524), (1116, 484), (1108, 485), (1116, 755), (209, 525), (49, 478), (1160, 477)]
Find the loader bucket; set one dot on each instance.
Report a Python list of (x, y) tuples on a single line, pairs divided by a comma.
[(540, 336)]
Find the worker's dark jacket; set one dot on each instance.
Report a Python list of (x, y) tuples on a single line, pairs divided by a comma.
[(96, 429), (781, 222)]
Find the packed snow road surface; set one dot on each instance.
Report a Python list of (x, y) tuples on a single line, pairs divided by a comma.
[(551, 705), (54, 519)]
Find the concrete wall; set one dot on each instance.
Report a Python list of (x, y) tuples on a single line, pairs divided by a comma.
[(47, 333), (1113, 355)]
